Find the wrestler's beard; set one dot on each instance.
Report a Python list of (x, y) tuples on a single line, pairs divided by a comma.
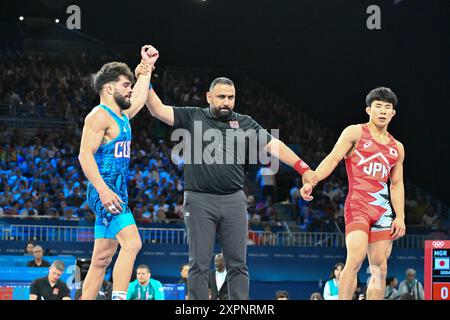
[(221, 114), (121, 101)]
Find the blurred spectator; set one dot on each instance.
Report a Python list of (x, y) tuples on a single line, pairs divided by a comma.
[(28, 251), (430, 219), (75, 197), (28, 209), (137, 213), (179, 208), (391, 292), (50, 287), (319, 216), (170, 215), (218, 279), (332, 190), (410, 197), (267, 210), (254, 218), (6, 197), (281, 295), (144, 214), (68, 213), (417, 213), (331, 289), (144, 287), (13, 209), (184, 271), (339, 202), (62, 208), (251, 204), (411, 286), (269, 238), (265, 178), (316, 296), (296, 200), (160, 216), (38, 262), (253, 238)]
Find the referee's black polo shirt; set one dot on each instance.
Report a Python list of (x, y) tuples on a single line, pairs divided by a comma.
[(216, 178), (41, 287)]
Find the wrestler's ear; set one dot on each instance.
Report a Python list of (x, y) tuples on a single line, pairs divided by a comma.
[(109, 88), (368, 110)]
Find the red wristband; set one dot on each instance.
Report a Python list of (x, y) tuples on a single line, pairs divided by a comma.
[(301, 167)]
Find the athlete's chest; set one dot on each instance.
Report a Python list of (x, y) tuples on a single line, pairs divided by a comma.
[(118, 130), (374, 159), (118, 138)]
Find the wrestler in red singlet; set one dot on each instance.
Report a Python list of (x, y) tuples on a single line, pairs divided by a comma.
[(367, 207), (372, 157)]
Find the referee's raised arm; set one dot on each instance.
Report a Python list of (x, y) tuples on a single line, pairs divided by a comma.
[(158, 109)]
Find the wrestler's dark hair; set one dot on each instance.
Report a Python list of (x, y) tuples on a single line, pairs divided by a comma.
[(381, 94), (110, 72)]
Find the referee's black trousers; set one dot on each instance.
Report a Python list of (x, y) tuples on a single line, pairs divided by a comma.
[(206, 214)]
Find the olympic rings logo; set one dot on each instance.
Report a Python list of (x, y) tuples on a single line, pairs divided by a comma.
[(438, 244)]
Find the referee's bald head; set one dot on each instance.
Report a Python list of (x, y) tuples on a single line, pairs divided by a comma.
[(221, 80)]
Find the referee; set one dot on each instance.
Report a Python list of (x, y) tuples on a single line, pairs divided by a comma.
[(214, 200)]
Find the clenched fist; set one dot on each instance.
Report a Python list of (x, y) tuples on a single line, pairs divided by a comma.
[(149, 54)]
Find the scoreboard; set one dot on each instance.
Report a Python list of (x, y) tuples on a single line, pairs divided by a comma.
[(437, 270)]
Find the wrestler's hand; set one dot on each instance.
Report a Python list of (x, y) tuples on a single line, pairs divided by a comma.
[(149, 54), (306, 191), (310, 177), (111, 201), (398, 228)]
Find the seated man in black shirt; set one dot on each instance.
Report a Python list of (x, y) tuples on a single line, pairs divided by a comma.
[(38, 262), (50, 287)]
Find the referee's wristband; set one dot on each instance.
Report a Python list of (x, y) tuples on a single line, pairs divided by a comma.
[(150, 86), (301, 167)]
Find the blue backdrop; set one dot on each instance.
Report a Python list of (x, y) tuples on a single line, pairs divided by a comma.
[(299, 270)]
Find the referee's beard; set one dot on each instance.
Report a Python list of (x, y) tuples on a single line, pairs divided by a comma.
[(221, 113)]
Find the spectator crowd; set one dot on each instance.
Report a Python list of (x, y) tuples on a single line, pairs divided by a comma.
[(40, 175)]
